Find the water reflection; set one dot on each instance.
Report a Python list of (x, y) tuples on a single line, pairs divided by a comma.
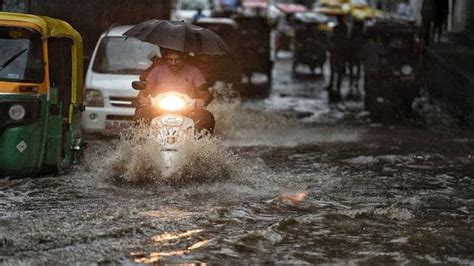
[(173, 236)]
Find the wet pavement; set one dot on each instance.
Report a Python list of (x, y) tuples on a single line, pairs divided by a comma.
[(292, 180)]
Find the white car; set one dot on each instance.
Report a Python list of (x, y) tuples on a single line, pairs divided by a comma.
[(115, 63)]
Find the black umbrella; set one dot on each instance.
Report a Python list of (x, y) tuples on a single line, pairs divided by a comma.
[(178, 35)]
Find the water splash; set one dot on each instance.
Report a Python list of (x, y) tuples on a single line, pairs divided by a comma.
[(137, 159), (240, 125), (234, 120)]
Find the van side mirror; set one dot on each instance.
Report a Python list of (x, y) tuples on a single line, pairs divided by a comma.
[(138, 85)]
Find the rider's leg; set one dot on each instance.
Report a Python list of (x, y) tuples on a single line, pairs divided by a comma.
[(204, 121)]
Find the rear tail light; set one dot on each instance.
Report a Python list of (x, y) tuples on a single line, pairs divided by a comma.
[(33, 89)]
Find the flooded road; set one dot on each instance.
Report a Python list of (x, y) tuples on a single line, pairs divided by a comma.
[(292, 180)]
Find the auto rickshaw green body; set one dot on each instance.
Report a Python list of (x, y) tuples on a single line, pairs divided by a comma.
[(393, 83), (40, 113)]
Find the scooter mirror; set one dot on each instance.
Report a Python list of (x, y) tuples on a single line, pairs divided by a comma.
[(138, 85)]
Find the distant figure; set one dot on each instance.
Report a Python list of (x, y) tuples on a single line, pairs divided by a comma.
[(376, 68), (435, 14), (356, 42), (338, 49), (441, 17), (198, 15), (405, 10), (428, 13)]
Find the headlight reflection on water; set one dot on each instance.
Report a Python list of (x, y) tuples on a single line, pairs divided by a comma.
[(166, 237), (293, 198), (173, 236)]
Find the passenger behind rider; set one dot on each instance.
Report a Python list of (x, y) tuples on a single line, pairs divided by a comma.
[(172, 71)]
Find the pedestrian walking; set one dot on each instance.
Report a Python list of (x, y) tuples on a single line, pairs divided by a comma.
[(441, 17), (356, 42), (428, 13), (338, 49)]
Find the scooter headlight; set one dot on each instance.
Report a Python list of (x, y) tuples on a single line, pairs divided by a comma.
[(17, 112), (407, 70), (171, 103)]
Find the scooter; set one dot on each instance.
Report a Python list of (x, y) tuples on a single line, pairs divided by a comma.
[(171, 127)]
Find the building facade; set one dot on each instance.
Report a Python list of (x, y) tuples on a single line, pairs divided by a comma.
[(92, 17)]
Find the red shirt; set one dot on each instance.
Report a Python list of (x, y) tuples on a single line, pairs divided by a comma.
[(186, 80)]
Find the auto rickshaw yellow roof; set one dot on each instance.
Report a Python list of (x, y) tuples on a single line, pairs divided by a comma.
[(364, 12), (49, 27), (333, 3)]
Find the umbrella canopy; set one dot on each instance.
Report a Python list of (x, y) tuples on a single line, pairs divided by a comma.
[(255, 4), (180, 36)]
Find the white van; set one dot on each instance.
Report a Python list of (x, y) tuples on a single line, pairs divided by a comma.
[(115, 63)]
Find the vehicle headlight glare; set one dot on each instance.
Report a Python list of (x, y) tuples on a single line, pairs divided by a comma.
[(94, 98), (171, 103), (407, 70), (17, 112)]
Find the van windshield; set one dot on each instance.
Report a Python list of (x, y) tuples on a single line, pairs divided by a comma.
[(120, 55), (21, 55)]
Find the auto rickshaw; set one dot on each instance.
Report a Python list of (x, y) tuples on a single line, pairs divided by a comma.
[(392, 67), (284, 26), (310, 44), (255, 50), (41, 95)]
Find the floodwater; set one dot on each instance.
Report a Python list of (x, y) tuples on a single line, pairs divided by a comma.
[(290, 180)]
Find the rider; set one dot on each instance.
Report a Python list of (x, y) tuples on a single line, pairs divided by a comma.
[(173, 71)]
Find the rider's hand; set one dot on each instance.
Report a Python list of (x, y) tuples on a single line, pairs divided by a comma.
[(199, 103)]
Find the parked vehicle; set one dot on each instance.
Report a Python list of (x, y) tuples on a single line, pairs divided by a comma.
[(392, 68), (255, 48), (310, 44), (115, 63), (187, 9), (222, 68), (256, 8), (285, 27), (41, 95)]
